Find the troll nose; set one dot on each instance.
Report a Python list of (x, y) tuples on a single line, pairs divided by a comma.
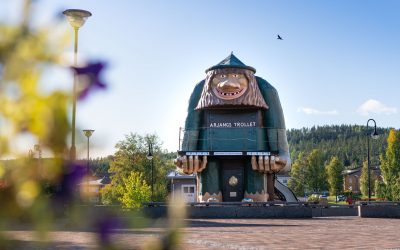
[(228, 84)]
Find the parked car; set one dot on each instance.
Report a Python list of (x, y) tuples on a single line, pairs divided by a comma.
[(341, 198)]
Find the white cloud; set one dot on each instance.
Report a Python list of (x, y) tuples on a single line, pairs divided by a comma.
[(311, 111), (372, 106)]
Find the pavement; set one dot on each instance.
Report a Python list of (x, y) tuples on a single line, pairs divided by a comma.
[(350, 232)]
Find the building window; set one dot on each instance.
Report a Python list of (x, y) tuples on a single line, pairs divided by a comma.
[(188, 190)]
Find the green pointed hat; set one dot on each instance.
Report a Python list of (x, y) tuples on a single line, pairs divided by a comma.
[(231, 62)]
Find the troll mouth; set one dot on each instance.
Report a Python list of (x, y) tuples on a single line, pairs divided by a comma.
[(230, 94)]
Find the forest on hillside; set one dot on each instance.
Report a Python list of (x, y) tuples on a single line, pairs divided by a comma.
[(347, 142)]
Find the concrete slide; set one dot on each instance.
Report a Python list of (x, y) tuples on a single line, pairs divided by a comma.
[(285, 192)]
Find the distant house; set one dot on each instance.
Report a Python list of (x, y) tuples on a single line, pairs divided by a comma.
[(352, 178), (283, 178), (91, 188), (184, 184)]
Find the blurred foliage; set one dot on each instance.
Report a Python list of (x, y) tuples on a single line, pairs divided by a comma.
[(131, 157), (25, 111), (24, 54), (46, 194)]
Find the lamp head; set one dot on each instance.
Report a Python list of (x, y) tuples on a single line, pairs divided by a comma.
[(77, 17), (88, 132), (149, 156), (150, 153), (375, 134)]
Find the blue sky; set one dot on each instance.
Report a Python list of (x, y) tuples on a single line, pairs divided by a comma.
[(338, 62)]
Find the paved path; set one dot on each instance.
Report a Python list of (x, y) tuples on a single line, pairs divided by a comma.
[(316, 233)]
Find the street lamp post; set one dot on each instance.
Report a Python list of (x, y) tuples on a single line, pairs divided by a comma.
[(76, 19), (374, 135), (88, 133), (150, 157)]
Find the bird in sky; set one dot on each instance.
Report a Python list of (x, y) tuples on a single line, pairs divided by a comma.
[(279, 37)]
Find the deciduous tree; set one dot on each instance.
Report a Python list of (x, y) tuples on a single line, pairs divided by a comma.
[(315, 172), (131, 157), (364, 180), (298, 175), (380, 189), (390, 166), (134, 191), (335, 176)]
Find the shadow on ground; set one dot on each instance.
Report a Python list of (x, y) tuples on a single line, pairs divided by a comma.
[(208, 223)]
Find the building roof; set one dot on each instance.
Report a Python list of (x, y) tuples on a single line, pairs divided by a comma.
[(231, 62), (284, 175), (357, 171), (97, 182), (176, 175)]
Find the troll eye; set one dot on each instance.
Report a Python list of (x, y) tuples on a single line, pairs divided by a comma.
[(235, 75), (222, 76)]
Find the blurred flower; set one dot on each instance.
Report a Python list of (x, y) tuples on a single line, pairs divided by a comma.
[(91, 78), (105, 226), (27, 193), (73, 175)]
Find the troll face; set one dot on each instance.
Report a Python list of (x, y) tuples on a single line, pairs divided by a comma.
[(231, 86)]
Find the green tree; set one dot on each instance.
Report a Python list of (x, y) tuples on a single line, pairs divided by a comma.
[(364, 179), (99, 166), (335, 177), (380, 189), (298, 175), (396, 190), (315, 172), (390, 165), (131, 156), (134, 191)]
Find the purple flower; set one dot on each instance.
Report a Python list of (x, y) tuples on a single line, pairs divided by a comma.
[(105, 227), (92, 73), (69, 184)]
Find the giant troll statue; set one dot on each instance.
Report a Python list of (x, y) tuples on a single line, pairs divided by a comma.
[(234, 136)]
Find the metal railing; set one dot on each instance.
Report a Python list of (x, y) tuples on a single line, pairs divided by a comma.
[(248, 138)]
